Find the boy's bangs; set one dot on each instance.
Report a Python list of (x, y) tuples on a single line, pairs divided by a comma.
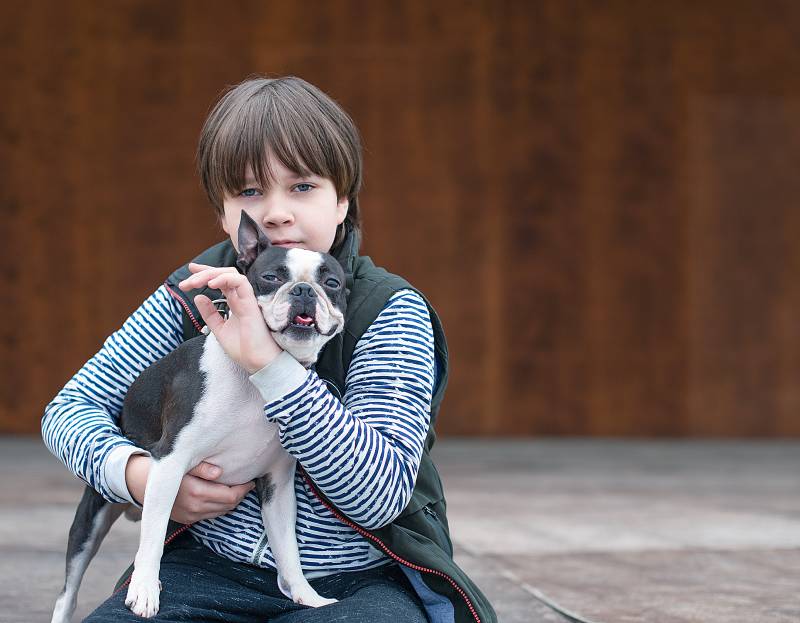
[(281, 132)]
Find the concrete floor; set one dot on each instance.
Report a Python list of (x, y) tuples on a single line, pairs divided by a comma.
[(612, 531)]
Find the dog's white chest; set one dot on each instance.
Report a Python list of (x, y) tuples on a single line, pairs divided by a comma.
[(248, 450), (228, 427)]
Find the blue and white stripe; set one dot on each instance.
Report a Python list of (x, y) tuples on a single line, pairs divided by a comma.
[(80, 424), (363, 453)]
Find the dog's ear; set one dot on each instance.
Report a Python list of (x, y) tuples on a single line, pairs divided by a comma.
[(252, 241)]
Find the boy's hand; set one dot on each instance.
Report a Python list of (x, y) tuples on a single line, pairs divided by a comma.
[(244, 336), (198, 496)]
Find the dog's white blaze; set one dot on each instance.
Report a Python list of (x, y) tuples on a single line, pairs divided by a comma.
[(303, 264)]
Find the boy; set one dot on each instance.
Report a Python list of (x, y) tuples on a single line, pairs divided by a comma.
[(370, 510)]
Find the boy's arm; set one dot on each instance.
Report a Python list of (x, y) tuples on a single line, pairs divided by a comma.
[(79, 425), (363, 454)]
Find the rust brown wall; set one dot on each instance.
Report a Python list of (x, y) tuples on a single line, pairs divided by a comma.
[(600, 198)]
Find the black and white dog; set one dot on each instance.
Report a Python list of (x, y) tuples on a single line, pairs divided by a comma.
[(196, 404)]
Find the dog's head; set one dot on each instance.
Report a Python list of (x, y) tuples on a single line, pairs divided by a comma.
[(301, 293)]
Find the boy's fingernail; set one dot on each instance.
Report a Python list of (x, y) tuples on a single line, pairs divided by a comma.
[(215, 471)]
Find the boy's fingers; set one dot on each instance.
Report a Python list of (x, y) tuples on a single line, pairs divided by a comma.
[(231, 494), (225, 495), (238, 293), (231, 281), (196, 268), (203, 274), (206, 471), (237, 290), (242, 490)]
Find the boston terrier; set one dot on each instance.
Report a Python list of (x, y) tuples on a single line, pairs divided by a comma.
[(196, 404)]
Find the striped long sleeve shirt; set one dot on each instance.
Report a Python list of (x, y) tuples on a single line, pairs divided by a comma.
[(363, 452)]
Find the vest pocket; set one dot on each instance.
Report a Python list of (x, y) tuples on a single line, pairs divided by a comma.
[(439, 529)]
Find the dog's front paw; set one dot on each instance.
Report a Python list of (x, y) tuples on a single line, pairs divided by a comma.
[(313, 599), (143, 595)]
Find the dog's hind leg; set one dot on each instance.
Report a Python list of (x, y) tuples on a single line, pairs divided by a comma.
[(279, 513), (93, 518)]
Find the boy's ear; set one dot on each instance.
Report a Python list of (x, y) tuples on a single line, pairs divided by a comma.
[(252, 241), (342, 206), (222, 223)]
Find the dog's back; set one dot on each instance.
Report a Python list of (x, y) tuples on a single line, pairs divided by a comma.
[(166, 386)]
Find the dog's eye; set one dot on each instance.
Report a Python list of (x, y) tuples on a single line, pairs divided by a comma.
[(332, 283), (270, 277)]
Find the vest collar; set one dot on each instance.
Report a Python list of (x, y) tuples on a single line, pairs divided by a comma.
[(347, 252)]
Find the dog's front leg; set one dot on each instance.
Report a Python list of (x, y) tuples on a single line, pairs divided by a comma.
[(162, 487), (279, 512)]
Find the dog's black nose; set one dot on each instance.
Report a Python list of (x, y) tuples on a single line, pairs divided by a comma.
[(303, 291)]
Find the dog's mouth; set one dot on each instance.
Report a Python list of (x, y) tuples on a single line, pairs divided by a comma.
[(303, 321)]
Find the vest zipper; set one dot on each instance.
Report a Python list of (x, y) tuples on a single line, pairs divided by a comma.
[(262, 543), (185, 307), (385, 548)]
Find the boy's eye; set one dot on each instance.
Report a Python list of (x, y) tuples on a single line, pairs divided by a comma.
[(303, 188), (249, 192)]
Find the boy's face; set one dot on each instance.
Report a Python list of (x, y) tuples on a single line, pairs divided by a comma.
[(304, 210)]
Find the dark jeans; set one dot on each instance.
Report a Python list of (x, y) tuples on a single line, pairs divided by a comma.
[(200, 585)]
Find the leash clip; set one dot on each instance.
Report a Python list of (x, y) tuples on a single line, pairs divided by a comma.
[(221, 305)]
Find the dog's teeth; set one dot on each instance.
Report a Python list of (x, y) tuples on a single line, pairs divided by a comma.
[(303, 321)]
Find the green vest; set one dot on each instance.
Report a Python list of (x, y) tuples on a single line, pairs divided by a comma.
[(419, 538)]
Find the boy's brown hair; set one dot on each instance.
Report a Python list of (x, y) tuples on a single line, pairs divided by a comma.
[(305, 129)]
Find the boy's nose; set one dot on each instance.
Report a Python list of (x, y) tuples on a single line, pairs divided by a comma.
[(277, 213)]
